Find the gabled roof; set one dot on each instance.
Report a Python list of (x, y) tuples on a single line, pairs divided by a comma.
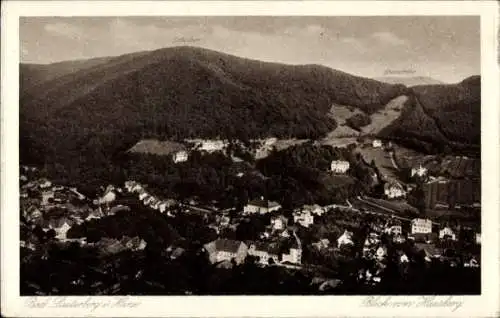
[(264, 203), (226, 245)]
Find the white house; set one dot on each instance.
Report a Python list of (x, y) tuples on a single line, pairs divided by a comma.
[(294, 256), (339, 166), (478, 238), (393, 229), (423, 226), (261, 207), (304, 218), (143, 196), (394, 190), (279, 222), (180, 156), (419, 171), (345, 239), (377, 143), (447, 232)]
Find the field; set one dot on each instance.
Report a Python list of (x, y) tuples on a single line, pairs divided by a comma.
[(385, 116), (382, 160)]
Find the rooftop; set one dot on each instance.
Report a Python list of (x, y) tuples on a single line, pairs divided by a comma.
[(227, 245), (264, 203)]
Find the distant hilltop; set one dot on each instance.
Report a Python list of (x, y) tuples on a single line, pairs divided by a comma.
[(409, 80)]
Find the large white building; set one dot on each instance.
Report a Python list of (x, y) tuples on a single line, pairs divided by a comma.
[(423, 226), (394, 190), (339, 166), (261, 207), (180, 156), (419, 171)]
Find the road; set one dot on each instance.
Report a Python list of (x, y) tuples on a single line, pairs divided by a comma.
[(390, 211), (394, 164)]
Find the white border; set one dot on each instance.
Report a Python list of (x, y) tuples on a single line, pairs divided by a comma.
[(290, 306)]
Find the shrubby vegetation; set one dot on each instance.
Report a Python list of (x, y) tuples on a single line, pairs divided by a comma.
[(358, 121)]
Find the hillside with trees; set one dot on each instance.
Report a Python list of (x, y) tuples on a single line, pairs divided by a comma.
[(440, 118), (177, 93)]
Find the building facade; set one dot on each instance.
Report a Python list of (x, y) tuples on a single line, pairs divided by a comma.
[(422, 226), (339, 166)]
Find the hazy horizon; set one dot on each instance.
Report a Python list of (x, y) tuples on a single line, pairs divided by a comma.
[(443, 48)]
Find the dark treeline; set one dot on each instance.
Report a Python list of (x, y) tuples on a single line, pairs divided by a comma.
[(358, 121), (441, 119)]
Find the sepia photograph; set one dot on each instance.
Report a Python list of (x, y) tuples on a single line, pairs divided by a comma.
[(255, 155), (250, 155)]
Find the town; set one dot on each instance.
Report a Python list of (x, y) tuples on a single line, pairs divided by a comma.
[(409, 219)]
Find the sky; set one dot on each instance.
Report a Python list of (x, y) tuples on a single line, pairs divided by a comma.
[(444, 48)]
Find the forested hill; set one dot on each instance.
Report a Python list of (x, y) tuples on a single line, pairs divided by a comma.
[(32, 75), (441, 117), (107, 105)]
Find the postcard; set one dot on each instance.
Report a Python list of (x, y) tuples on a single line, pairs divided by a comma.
[(261, 159)]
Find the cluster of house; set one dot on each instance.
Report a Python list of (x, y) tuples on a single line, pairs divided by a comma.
[(42, 203), (162, 205), (225, 250)]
